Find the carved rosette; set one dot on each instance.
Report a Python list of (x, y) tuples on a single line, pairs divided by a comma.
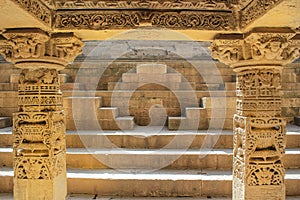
[(38, 127), (259, 130)]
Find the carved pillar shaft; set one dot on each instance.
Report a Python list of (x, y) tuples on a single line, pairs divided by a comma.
[(38, 127), (259, 136), (259, 129)]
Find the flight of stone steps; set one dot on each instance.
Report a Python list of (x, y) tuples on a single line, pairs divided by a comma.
[(87, 113), (150, 162)]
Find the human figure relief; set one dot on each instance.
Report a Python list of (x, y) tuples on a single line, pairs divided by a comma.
[(273, 49)]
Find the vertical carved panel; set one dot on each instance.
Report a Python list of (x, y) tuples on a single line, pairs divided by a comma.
[(259, 140)]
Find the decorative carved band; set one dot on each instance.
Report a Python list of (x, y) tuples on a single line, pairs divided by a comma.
[(133, 19), (144, 4)]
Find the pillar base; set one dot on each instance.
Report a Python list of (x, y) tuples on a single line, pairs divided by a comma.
[(28, 189)]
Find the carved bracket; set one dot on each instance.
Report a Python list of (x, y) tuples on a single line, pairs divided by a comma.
[(34, 48), (259, 47)]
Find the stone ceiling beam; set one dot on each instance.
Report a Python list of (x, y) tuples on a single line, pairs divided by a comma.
[(103, 19)]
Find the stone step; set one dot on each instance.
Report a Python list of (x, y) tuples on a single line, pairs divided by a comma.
[(109, 119), (161, 183), (158, 86), (220, 123), (153, 138), (63, 78), (81, 112), (108, 113), (14, 78), (195, 118), (5, 122), (8, 87), (151, 78), (125, 94), (230, 86), (125, 123), (151, 68), (72, 86), (145, 159), (219, 102)]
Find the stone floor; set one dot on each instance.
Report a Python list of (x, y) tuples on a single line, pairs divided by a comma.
[(87, 197)]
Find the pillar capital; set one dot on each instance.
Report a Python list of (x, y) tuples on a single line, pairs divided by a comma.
[(258, 48), (34, 48)]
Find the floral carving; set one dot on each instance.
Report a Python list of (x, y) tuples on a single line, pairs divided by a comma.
[(97, 21), (120, 20), (194, 21), (265, 175)]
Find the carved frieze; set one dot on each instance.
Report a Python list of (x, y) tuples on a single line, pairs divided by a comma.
[(132, 19), (87, 13), (261, 83), (144, 4)]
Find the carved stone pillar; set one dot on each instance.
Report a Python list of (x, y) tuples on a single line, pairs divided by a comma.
[(38, 127), (259, 129)]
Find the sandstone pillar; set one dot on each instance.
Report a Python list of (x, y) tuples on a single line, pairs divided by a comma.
[(38, 127), (259, 129)]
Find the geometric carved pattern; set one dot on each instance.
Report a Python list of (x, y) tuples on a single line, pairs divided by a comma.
[(38, 90), (259, 130), (145, 4)]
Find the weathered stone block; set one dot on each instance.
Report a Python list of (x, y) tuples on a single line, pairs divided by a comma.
[(14, 78), (151, 69)]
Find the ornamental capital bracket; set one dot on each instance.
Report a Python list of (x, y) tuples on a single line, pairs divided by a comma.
[(35, 48), (259, 47)]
